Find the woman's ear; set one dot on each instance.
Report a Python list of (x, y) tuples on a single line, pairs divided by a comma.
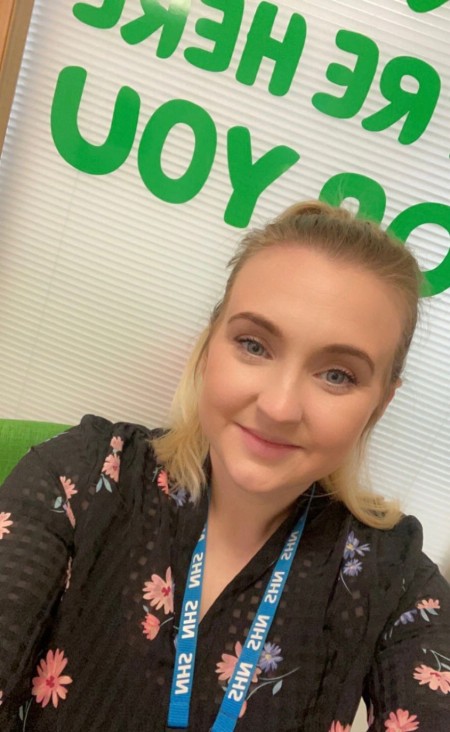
[(392, 389), (203, 360), (383, 405)]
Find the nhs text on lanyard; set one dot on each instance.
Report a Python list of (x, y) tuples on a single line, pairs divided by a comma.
[(180, 695)]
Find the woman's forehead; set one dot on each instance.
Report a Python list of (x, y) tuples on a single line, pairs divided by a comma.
[(303, 287)]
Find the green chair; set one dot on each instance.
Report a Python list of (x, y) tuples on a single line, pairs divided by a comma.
[(16, 438)]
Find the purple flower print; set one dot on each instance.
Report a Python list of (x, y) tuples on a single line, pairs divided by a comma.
[(270, 657), (179, 495), (353, 546), (353, 567), (408, 617)]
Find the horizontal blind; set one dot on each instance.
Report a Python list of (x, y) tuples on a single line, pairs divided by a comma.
[(104, 286)]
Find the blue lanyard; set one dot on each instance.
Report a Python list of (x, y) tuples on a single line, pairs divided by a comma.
[(183, 675), (236, 692)]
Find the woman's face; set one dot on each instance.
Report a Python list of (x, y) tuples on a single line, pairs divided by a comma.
[(295, 368)]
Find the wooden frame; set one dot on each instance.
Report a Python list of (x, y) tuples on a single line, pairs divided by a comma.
[(14, 21)]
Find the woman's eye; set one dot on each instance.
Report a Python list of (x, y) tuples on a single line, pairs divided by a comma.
[(252, 346), (338, 377)]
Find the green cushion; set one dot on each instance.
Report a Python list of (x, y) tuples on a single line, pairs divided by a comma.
[(16, 438)]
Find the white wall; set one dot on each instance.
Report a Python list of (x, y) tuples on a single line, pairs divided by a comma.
[(104, 285)]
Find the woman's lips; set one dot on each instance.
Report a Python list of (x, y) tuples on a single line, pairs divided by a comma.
[(265, 447)]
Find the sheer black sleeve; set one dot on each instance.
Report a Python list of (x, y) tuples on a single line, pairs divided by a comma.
[(409, 684), (39, 505)]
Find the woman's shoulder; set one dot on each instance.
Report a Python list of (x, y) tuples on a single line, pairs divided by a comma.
[(396, 555), (94, 434), (99, 428), (84, 450), (403, 539)]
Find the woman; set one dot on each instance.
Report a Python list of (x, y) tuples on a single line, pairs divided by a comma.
[(229, 572)]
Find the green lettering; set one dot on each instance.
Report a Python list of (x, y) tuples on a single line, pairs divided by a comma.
[(357, 80), (369, 194), (260, 44), (250, 179), (83, 155), (438, 279), (424, 6), (223, 34), (418, 106), (105, 16), (186, 187), (172, 20)]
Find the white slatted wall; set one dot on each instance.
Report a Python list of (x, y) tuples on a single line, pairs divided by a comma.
[(103, 286)]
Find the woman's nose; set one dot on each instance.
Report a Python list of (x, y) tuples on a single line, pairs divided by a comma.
[(282, 398)]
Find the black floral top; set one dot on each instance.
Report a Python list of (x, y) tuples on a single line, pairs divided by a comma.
[(94, 552)]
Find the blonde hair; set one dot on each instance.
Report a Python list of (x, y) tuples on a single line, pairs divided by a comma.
[(183, 449)]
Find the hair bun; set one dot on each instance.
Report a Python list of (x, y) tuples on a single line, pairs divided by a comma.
[(314, 208)]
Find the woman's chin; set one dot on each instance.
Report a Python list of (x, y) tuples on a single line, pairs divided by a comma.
[(255, 483)]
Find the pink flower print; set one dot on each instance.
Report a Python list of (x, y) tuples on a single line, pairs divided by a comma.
[(163, 482), (70, 514), (117, 444), (49, 684), (225, 667), (338, 727), (151, 626), (68, 573), (429, 604), (428, 607), (436, 680), (111, 467), (4, 523), (69, 487), (401, 721), (243, 710), (160, 592)]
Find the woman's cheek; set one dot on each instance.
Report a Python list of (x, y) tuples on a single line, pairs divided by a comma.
[(338, 421)]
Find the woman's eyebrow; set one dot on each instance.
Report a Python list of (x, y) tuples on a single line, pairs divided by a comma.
[(258, 320), (338, 348), (344, 349)]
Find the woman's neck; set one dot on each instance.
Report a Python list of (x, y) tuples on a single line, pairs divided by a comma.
[(243, 520), (239, 524)]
